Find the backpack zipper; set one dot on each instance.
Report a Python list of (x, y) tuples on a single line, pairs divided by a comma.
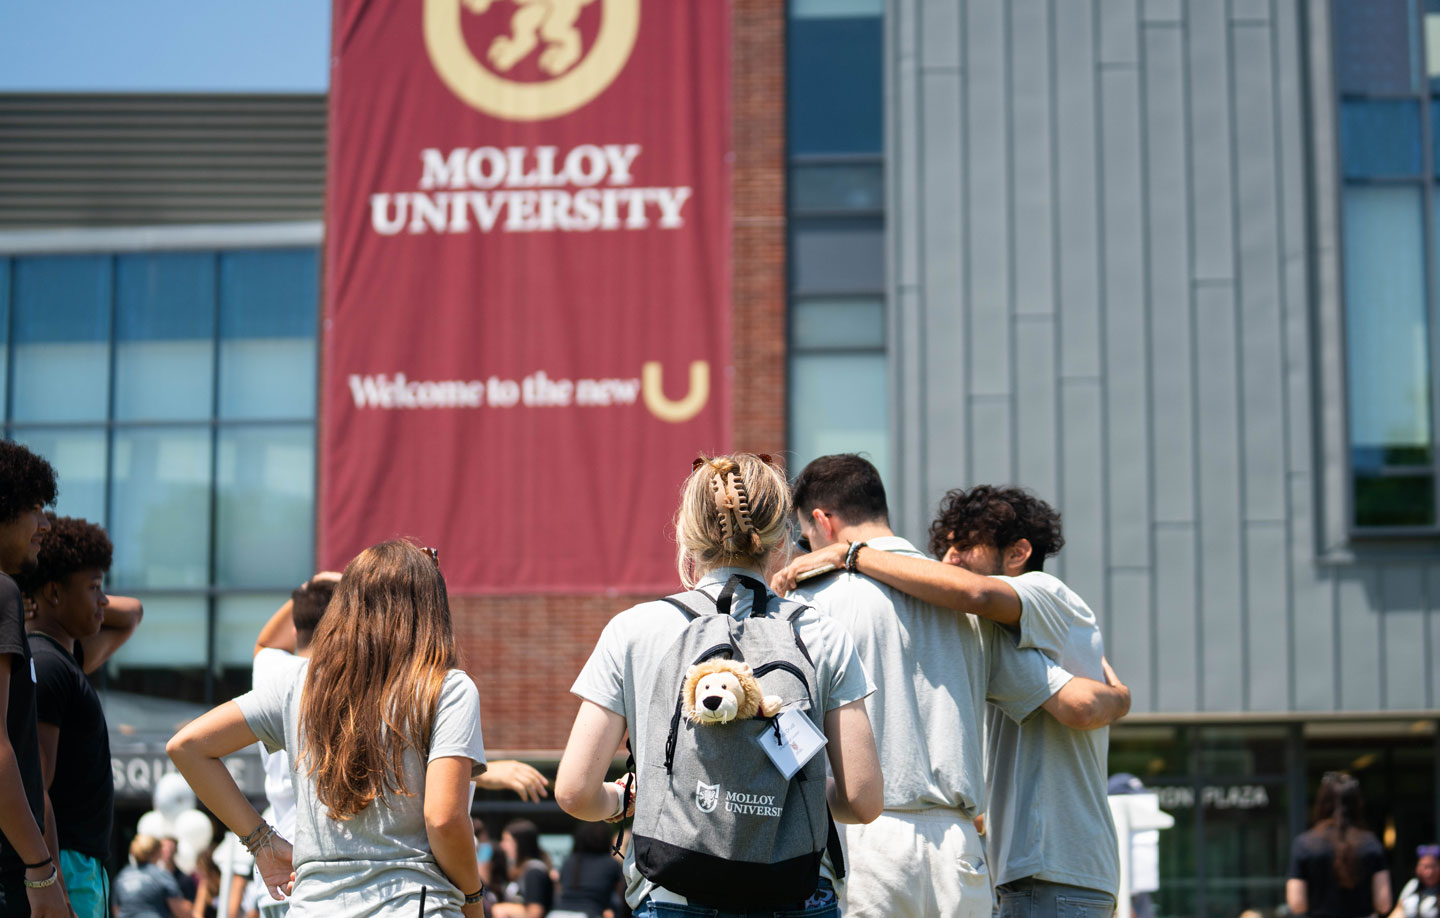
[(680, 702), (790, 668)]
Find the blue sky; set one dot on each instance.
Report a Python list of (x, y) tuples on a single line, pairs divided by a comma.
[(164, 45)]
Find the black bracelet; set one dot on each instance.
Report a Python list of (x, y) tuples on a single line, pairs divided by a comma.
[(38, 865), (852, 555), (477, 896)]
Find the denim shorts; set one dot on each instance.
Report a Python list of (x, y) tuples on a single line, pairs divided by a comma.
[(1032, 898)]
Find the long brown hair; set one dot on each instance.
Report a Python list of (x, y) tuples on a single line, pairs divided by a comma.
[(1340, 817), (377, 666)]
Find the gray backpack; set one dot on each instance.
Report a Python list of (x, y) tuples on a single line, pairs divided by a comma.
[(715, 820)]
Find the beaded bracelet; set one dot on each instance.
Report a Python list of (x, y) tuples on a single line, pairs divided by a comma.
[(257, 839), (477, 896), (852, 556), (48, 881)]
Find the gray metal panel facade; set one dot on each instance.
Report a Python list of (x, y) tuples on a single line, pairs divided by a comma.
[(1112, 267), (130, 160)]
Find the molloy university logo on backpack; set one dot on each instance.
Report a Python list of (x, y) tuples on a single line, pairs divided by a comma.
[(580, 188), (707, 796)]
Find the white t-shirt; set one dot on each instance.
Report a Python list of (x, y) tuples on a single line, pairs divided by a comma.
[(1049, 817), (936, 668), (621, 670), (274, 667), (374, 864), (1419, 903)]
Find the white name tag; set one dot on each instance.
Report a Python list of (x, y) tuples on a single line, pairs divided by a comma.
[(797, 744)]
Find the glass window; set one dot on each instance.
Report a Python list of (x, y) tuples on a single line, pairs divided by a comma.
[(1387, 342), (165, 336), (819, 9), (1377, 50), (837, 324), (142, 377), (4, 326), (1150, 753), (238, 619), (837, 256), (160, 507), (1380, 137), (821, 424), (837, 187), (265, 506), (79, 459), (1244, 751), (173, 633), (1389, 256), (836, 88), (62, 338), (268, 306)]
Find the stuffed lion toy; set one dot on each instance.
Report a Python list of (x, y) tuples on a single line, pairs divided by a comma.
[(719, 691)]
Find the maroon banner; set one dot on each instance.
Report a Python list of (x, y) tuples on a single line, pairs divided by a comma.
[(527, 284)]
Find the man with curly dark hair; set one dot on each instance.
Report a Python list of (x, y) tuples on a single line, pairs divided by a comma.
[(936, 671), (76, 628), (1051, 830), (29, 877)]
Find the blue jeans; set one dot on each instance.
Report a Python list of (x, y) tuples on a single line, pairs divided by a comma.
[(823, 904), (1032, 898)]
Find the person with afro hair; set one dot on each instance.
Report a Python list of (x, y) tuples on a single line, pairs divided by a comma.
[(75, 629), (29, 876), (994, 542)]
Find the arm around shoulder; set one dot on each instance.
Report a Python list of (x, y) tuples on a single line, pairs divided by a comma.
[(944, 585)]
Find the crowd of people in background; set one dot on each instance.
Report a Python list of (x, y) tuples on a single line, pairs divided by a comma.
[(960, 698)]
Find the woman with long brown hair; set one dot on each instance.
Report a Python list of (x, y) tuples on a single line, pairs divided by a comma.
[(383, 733), (1338, 868)]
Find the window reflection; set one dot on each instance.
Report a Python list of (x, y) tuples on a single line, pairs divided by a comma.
[(160, 507), (79, 460), (154, 460), (62, 338), (821, 423), (238, 620), (165, 336), (268, 304), (265, 504)]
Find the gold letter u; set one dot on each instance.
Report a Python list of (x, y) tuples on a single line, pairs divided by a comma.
[(652, 386)]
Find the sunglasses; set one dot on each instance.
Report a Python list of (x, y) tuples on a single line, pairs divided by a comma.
[(434, 554)]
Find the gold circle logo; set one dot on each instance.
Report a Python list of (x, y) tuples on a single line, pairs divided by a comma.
[(539, 27)]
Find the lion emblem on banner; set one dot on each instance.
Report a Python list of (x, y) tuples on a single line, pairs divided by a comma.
[(551, 20), (574, 74)]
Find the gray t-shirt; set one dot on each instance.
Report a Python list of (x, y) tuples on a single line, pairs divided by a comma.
[(936, 668), (621, 671), (1049, 817), (376, 862), (145, 892)]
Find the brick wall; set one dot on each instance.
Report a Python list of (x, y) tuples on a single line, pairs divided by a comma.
[(524, 651)]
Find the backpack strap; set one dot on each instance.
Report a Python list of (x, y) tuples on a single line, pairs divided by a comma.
[(832, 845), (759, 605), (685, 607)]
